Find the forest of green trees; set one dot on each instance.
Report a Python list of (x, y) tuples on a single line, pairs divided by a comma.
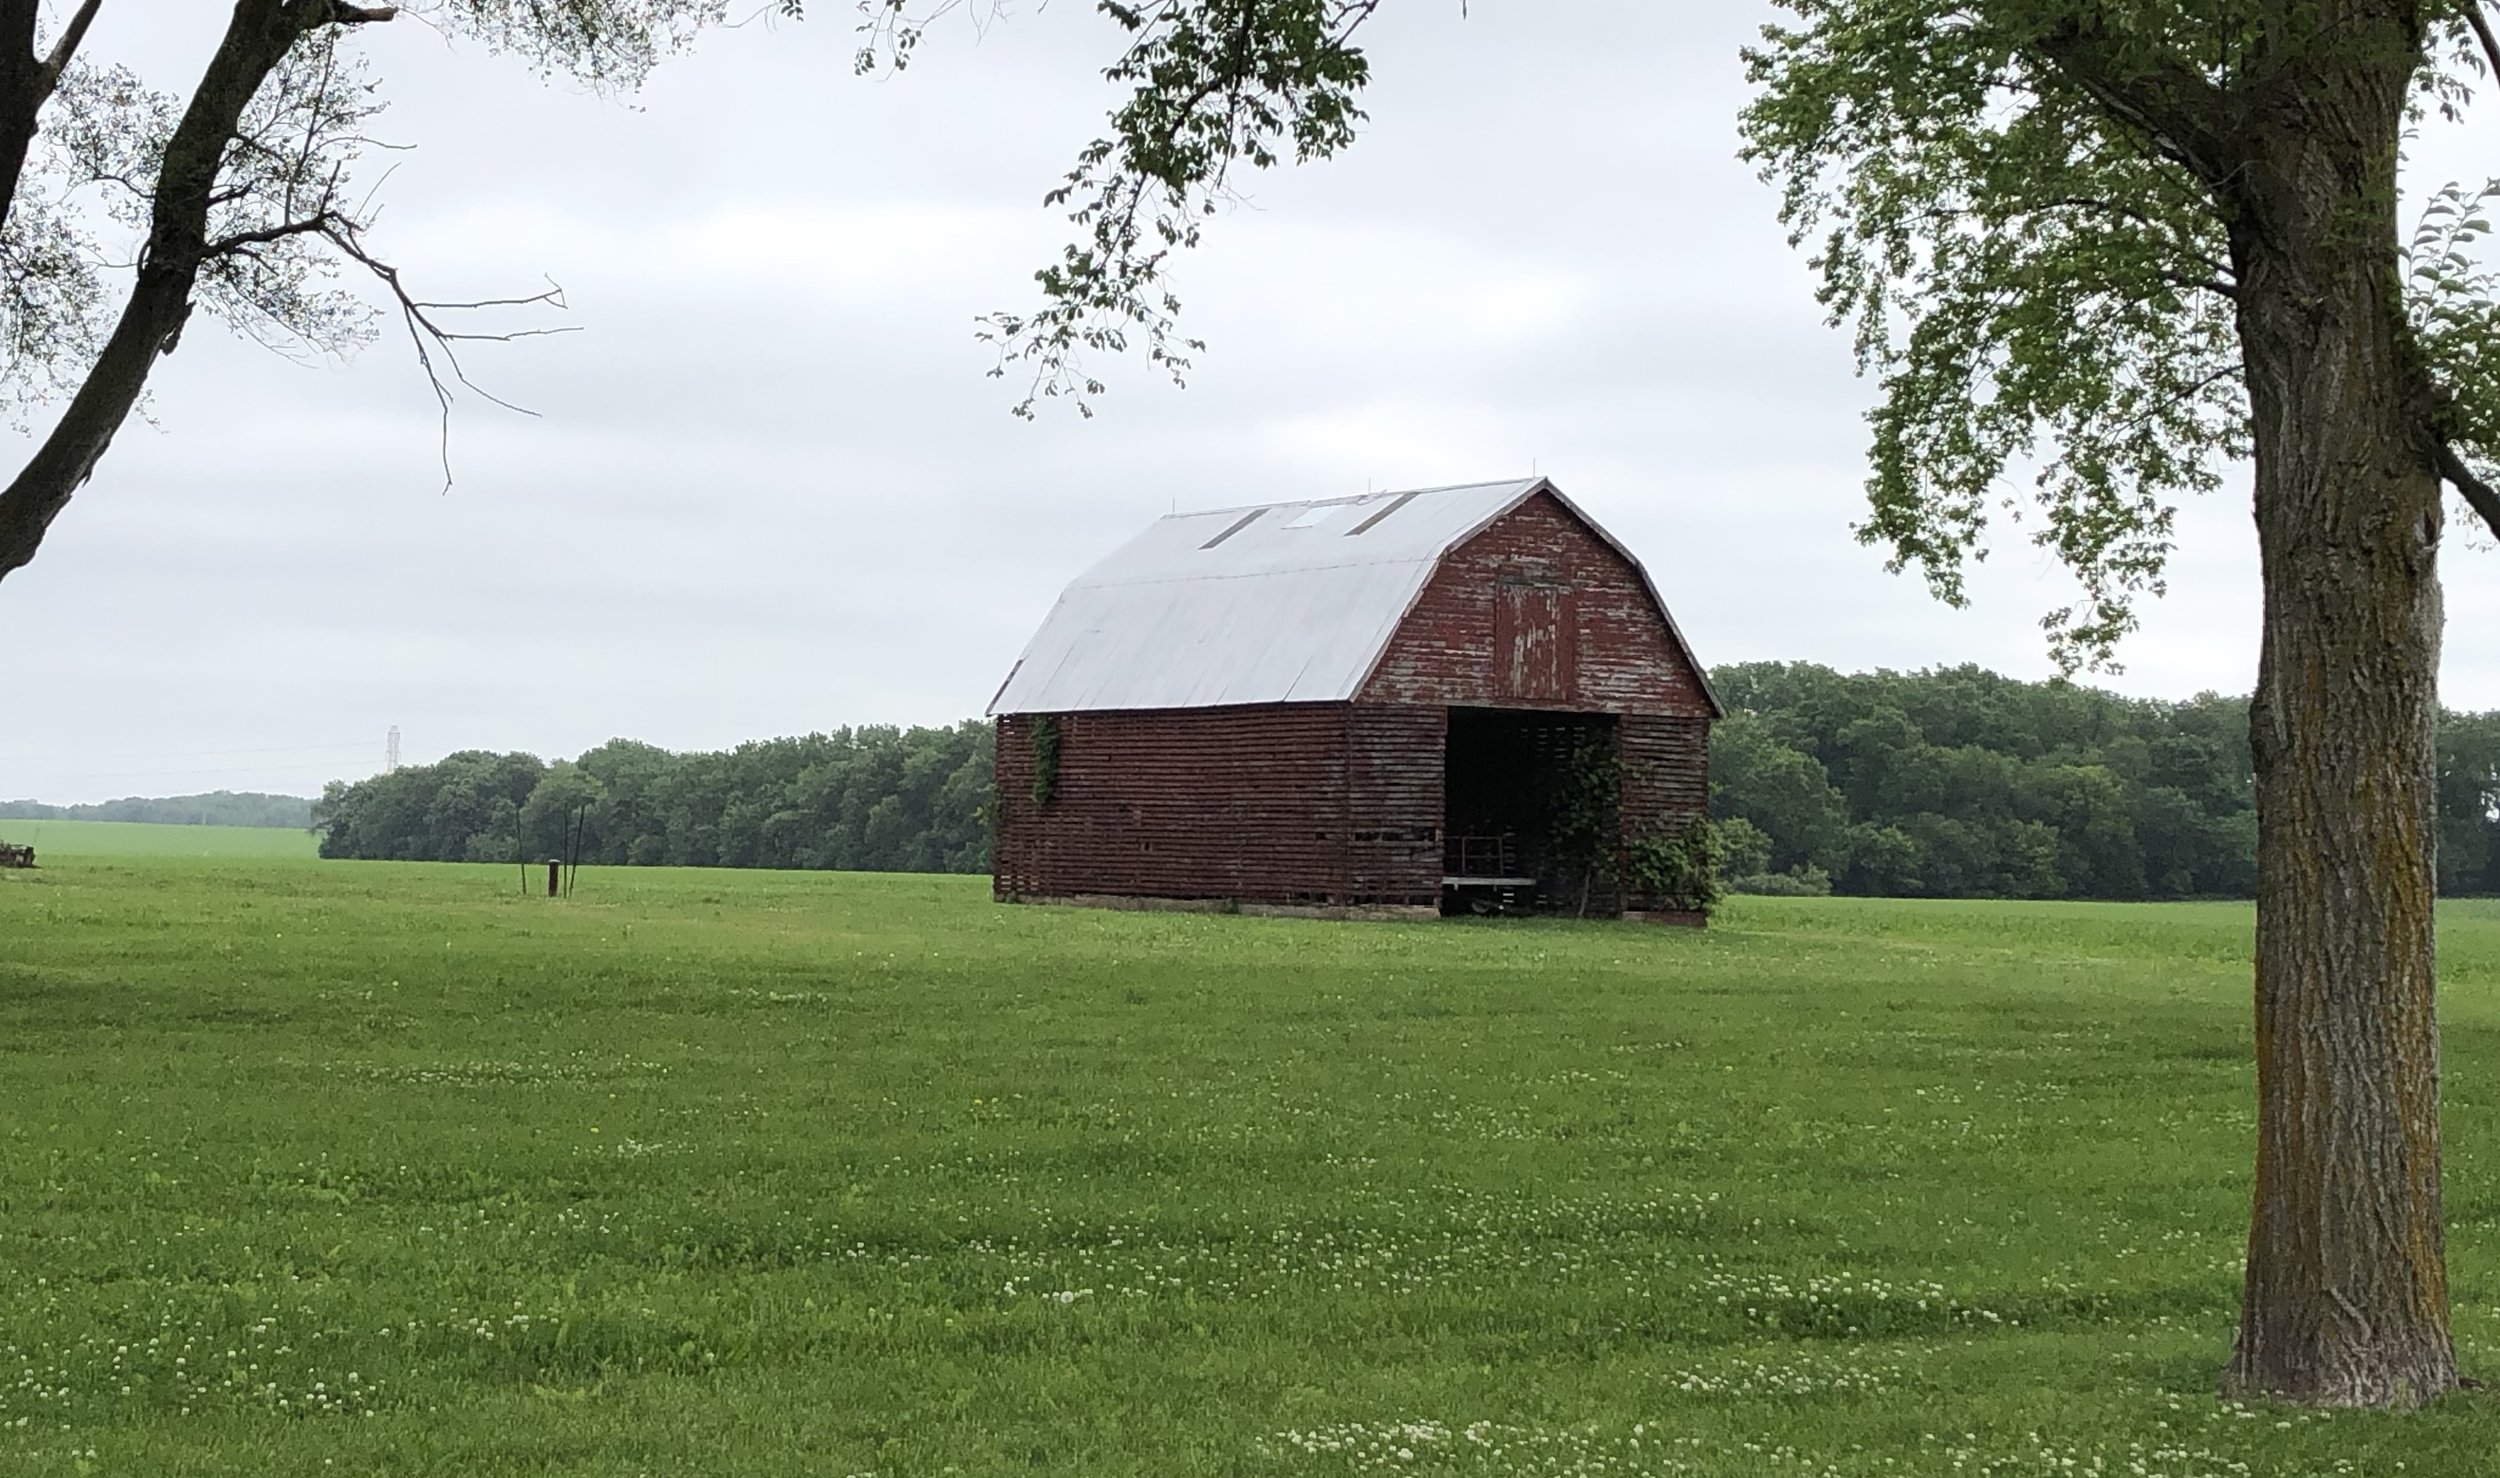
[(873, 799), (219, 808), (1958, 783), (1954, 783)]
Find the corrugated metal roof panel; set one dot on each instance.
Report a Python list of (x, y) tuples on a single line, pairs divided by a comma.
[(1276, 603), (1282, 603)]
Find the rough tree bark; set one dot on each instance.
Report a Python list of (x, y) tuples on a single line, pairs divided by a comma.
[(2346, 1300), (26, 80), (21, 94)]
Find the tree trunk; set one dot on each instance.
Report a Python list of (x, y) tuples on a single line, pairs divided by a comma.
[(2346, 1300), (27, 82), (256, 39), (22, 90)]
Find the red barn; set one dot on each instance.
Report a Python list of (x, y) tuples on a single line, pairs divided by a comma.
[(1454, 698)]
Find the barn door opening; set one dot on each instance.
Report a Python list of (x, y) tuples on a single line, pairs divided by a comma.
[(1530, 815)]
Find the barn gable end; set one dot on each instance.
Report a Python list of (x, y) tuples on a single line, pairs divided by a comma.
[(1616, 649)]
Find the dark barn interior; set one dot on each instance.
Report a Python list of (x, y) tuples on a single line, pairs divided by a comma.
[(1518, 808)]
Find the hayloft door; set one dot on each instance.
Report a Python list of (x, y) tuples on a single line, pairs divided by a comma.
[(1536, 648)]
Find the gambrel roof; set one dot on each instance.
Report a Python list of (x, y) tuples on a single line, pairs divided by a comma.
[(1279, 603)]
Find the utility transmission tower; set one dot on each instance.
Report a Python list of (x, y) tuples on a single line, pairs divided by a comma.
[(390, 752)]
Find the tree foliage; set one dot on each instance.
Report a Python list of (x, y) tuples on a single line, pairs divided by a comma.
[(1959, 783), (2036, 269), (127, 206), (1212, 87), (874, 799), (1953, 783), (2039, 272), (219, 808)]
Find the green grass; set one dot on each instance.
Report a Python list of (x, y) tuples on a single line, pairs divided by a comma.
[(375, 1168), (153, 839)]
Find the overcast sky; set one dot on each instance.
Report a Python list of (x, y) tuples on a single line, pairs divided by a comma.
[(770, 490)]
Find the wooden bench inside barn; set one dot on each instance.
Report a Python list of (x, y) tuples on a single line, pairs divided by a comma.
[(1483, 861), (1484, 872)]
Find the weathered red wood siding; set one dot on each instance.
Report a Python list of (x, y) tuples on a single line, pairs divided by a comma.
[(1394, 797), (1618, 655), (1248, 804), (1666, 776)]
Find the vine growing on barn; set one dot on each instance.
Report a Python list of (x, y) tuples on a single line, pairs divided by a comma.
[(1045, 759)]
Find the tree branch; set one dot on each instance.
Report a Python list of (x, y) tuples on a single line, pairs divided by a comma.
[(2482, 32), (2479, 495), (257, 37), (240, 240), (65, 48), (2218, 285), (429, 336), (2171, 102), (22, 93)]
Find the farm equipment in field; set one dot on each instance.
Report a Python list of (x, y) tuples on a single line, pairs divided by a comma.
[(15, 856)]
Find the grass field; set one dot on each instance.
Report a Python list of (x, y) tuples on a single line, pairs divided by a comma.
[(373, 1168), (150, 839)]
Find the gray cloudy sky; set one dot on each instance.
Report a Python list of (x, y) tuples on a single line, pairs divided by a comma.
[(771, 491)]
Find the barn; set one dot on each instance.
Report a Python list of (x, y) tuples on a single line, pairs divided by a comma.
[(1451, 699)]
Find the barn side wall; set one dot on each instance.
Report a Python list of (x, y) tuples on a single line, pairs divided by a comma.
[(1303, 805), (1666, 778), (1624, 658), (1397, 764), (1248, 805)]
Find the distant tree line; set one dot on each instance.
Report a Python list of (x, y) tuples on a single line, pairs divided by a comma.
[(1954, 783), (874, 799), (220, 808), (1959, 783)]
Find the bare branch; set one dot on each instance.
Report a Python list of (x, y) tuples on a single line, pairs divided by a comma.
[(2479, 495), (430, 337)]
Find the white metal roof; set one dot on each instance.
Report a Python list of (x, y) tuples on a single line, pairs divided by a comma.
[(1282, 603), (1277, 603)]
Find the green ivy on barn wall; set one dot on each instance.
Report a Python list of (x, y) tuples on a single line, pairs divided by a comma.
[(1045, 758)]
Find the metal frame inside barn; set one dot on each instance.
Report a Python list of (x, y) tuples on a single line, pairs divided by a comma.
[(1348, 705)]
